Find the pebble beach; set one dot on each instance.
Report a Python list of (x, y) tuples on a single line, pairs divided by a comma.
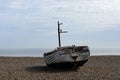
[(34, 68)]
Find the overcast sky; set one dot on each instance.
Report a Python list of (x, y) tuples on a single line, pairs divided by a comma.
[(33, 23)]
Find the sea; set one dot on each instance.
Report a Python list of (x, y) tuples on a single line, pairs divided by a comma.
[(40, 51)]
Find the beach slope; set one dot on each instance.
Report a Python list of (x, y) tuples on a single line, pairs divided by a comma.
[(34, 68)]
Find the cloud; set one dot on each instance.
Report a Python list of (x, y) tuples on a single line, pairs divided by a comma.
[(36, 20), (109, 4), (17, 4), (93, 15)]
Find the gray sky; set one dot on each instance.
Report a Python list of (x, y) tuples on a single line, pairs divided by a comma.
[(33, 23)]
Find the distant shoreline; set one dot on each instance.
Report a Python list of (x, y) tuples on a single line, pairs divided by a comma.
[(42, 56), (40, 52)]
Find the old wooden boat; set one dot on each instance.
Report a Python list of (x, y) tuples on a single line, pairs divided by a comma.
[(67, 56)]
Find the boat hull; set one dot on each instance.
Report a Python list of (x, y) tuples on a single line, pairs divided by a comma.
[(72, 56)]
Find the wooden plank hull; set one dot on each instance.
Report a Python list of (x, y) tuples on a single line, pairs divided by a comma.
[(67, 56)]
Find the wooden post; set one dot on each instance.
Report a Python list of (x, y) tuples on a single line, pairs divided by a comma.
[(60, 31), (59, 40)]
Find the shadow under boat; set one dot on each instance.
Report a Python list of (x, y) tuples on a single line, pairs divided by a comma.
[(43, 69), (68, 64)]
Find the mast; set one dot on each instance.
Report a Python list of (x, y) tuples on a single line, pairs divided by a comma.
[(60, 31)]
